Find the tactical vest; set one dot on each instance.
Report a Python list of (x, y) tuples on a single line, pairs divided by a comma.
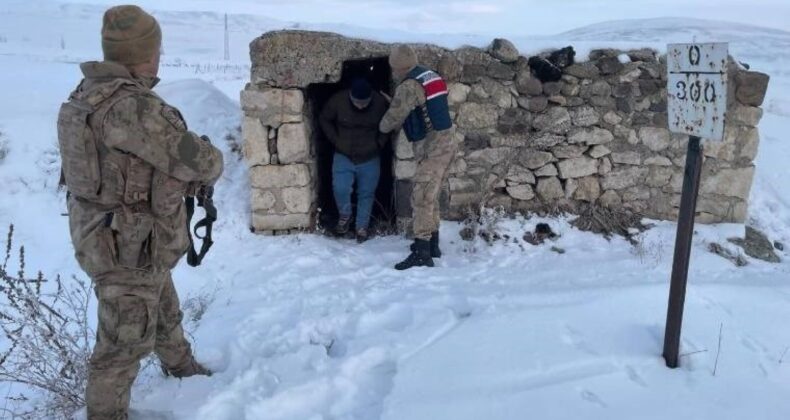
[(109, 190), (89, 170), (434, 115)]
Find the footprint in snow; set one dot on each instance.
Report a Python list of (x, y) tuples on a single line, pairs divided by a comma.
[(593, 398), (635, 377)]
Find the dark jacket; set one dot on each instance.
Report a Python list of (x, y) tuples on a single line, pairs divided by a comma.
[(354, 132)]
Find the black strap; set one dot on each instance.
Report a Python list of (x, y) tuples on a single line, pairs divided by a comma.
[(194, 258)]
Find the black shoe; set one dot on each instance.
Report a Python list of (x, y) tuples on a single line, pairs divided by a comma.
[(420, 257), (343, 225), (362, 235), (435, 251)]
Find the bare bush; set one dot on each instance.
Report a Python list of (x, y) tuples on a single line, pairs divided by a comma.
[(608, 222), (47, 340), (483, 223)]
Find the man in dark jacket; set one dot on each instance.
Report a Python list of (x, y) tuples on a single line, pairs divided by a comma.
[(350, 121)]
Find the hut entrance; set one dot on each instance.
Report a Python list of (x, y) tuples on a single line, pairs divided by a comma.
[(377, 72)]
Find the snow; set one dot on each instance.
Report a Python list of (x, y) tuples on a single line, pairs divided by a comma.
[(307, 327)]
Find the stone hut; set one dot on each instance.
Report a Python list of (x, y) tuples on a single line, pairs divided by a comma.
[(599, 136)]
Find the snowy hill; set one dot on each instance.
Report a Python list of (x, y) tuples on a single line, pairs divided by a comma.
[(769, 47), (306, 327)]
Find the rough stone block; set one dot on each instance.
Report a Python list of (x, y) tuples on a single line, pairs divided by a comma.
[(458, 92), (534, 159), (527, 84), (655, 138), (622, 178), (578, 167), (477, 116), (588, 189), (279, 176), (548, 170), (521, 192), (590, 136), (462, 185), (535, 104), (729, 182), (556, 120), (604, 166), (552, 88), (752, 87), (611, 199), (585, 116), (297, 199), (263, 221), (515, 121), (546, 141), (256, 142), (659, 176), (550, 189), (263, 200), (586, 70), (627, 158), (599, 151), (293, 143), (749, 141), (273, 106), (504, 50), (609, 65), (569, 151), (519, 175), (658, 161), (747, 115)]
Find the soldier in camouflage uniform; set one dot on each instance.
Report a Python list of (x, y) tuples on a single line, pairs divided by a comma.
[(128, 162), (422, 96)]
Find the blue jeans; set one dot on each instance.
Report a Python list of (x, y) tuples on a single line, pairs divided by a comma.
[(366, 175)]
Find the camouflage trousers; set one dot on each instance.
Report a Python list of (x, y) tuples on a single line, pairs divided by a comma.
[(433, 163), (139, 313)]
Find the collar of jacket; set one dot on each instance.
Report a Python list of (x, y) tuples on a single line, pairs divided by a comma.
[(108, 70)]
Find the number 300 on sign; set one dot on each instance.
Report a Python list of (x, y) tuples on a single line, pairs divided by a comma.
[(696, 91)]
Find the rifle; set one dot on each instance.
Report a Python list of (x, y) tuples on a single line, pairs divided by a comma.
[(205, 199)]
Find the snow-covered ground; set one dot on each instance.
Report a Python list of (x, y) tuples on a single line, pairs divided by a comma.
[(306, 327)]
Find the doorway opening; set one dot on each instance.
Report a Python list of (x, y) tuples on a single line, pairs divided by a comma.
[(377, 72)]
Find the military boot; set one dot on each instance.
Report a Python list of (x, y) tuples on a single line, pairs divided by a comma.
[(420, 257), (435, 251), (192, 368)]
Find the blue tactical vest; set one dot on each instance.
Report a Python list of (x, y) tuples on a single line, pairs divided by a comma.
[(435, 114)]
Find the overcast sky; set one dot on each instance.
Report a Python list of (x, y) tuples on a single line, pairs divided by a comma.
[(486, 17)]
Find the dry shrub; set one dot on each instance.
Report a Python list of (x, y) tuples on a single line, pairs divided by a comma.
[(47, 340)]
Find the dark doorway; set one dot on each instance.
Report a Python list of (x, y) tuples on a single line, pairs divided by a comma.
[(377, 72)]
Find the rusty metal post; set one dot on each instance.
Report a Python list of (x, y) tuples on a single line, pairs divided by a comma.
[(680, 265)]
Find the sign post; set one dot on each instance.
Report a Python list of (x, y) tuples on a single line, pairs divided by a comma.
[(697, 105)]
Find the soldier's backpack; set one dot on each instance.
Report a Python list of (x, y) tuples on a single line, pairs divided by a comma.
[(78, 143)]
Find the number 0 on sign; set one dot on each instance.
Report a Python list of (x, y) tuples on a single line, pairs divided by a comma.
[(697, 89)]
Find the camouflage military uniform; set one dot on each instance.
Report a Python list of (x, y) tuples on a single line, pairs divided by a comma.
[(434, 155), (133, 232)]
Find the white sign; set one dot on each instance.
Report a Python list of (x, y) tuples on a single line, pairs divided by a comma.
[(697, 89)]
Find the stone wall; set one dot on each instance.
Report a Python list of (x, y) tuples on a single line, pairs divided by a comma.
[(597, 136)]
